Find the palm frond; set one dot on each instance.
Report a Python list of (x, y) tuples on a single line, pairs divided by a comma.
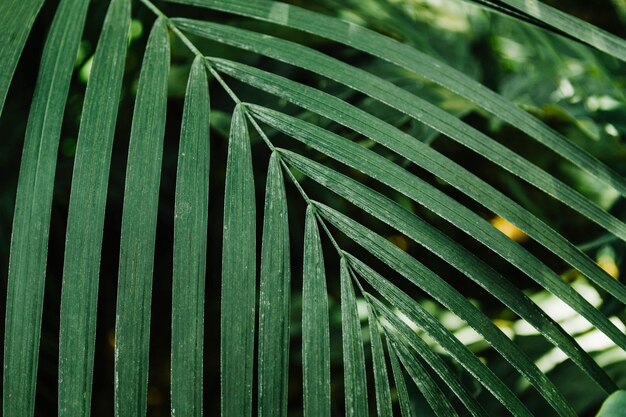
[(348, 139), (31, 223), (190, 243), (238, 272), (315, 328), (379, 366), (440, 334), (398, 377), (430, 160), (274, 297), (355, 384), (411, 105), (395, 177), (562, 23), (413, 60), (16, 20), (436, 287), (85, 221), (137, 246)]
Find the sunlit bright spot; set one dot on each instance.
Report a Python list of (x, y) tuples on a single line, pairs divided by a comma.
[(512, 50), (136, 29), (403, 317), (606, 261), (81, 54), (451, 321), (550, 360), (610, 356), (361, 306), (606, 103), (558, 309), (611, 130), (565, 90), (85, 70), (592, 341), (508, 229)]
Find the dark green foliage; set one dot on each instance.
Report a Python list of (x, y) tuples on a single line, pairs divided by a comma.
[(442, 228)]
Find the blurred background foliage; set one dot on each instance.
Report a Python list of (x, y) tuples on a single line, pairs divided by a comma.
[(573, 89)]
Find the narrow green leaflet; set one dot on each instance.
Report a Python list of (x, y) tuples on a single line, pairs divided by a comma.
[(16, 19), (381, 380), (413, 60), (141, 198), (574, 27), (432, 161), (315, 329), (355, 383), (454, 254), (413, 342), (433, 327), (398, 378), (31, 220), (274, 297), (86, 214), (238, 273), (441, 291), (425, 383), (413, 187), (410, 104), (191, 212)]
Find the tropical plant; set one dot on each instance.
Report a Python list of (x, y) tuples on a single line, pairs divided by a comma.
[(363, 131)]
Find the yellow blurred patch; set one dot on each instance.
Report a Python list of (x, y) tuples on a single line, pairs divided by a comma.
[(508, 229), (503, 324), (400, 241), (111, 338), (608, 264), (571, 275)]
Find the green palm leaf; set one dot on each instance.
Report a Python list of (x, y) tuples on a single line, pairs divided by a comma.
[(398, 377), (431, 283), (429, 159), (355, 383), (16, 19), (431, 391), (238, 273), (394, 176), (411, 59), (86, 214), (132, 327), (354, 137), (390, 212), (411, 105), (400, 331), (31, 223), (563, 23), (381, 380), (190, 243), (274, 297), (315, 333)]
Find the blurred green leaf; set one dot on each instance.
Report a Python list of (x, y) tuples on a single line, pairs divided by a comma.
[(614, 406)]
